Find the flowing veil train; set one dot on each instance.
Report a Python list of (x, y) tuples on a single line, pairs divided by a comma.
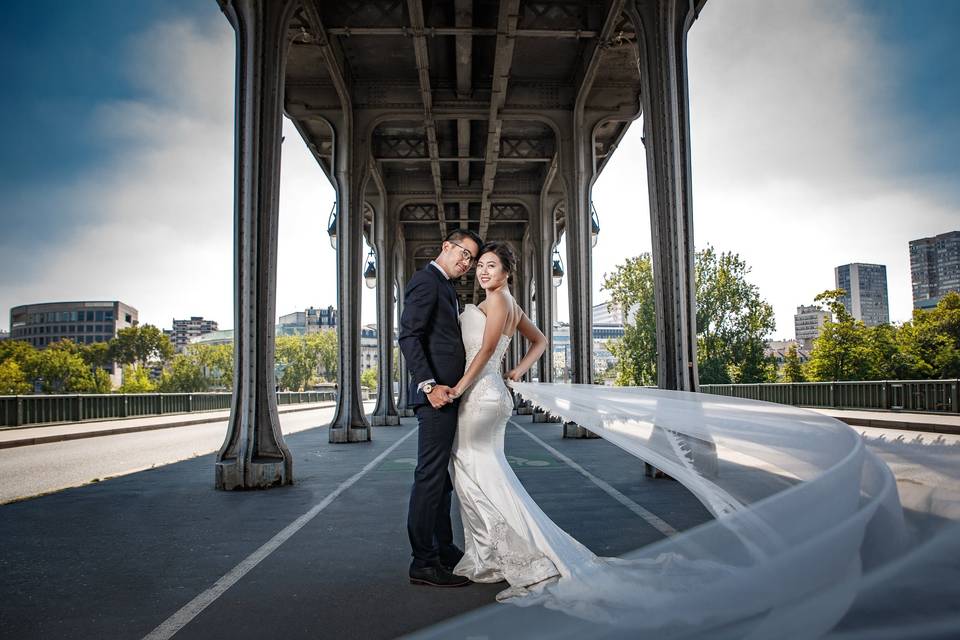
[(809, 533)]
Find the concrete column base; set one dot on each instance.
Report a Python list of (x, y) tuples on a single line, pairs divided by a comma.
[(384, 421), (573, 430), (341, 435), (260, 474), (543, 416)]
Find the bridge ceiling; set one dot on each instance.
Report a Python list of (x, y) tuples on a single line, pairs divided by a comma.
[(468, 97)]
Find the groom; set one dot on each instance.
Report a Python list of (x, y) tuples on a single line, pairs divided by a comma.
[(433, 349)]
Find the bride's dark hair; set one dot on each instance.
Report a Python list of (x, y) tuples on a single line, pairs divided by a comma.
[(503, 251)]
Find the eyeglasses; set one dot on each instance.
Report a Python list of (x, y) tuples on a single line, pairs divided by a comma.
[(464, 252)]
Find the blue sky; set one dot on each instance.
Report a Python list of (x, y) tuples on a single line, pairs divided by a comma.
[(822, 133)]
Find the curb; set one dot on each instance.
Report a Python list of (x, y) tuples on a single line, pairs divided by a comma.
[(62, 437)]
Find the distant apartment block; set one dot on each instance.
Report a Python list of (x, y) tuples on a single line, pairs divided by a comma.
[(308, 321), (185, 330), (934, 268), (807, 323), (84, 322), (866, 292)]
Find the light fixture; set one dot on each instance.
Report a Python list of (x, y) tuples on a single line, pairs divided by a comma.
[(557, 269), (370, 273), (332, 226), (594, 225)]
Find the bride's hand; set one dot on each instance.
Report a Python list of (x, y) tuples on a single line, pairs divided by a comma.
[(515, 374), (456, 392)]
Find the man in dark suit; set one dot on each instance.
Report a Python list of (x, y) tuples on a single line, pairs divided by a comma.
[(433, 349)]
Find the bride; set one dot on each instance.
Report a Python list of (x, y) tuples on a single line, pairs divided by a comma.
[(507, 536)]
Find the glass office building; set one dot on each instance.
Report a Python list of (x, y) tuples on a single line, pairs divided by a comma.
[(866, 292)]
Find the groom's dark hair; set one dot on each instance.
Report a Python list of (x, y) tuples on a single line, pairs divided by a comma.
[(460, 234)]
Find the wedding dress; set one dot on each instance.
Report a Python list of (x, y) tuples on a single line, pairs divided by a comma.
[(506, 535)]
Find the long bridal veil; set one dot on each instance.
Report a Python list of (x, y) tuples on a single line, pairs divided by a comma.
[(809, 537)]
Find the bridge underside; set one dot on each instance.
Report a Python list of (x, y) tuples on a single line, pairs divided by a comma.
[(496, 116)]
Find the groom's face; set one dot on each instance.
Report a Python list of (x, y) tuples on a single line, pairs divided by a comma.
[(457, 256)]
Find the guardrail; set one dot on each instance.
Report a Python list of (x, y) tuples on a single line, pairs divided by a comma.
[(925, 396), (19, 411)]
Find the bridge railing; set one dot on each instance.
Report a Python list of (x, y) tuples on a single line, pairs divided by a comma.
[(31, 410), (927, 396)]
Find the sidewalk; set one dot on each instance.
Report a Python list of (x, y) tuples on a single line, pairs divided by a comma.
[(25, 436), (932, 422)]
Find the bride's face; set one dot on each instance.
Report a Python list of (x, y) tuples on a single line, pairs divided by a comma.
[(490, 271)]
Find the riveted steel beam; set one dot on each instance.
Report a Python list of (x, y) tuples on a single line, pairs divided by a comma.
[(415, 8)]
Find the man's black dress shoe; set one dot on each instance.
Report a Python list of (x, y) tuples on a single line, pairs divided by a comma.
[(436, 577)]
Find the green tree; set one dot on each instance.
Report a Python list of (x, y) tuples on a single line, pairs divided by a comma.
[(841, 351), (733, 321), (929, 344), (13, 381), (631, 290), (142, 345), (17, 350), (136, 379), (369, 379), (298, 360), (215, 363), (183, 375), (792, 370), (327, 347), (60, 369)]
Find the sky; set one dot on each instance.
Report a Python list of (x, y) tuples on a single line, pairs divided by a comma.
[(822, 133)]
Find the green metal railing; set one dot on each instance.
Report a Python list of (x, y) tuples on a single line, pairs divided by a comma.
[(926, 396), (17, 411)]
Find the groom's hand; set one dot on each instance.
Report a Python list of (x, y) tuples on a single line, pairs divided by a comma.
[(439, 395)]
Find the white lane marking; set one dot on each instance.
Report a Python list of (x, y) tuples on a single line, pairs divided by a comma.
[(651, 518), (189, 611)]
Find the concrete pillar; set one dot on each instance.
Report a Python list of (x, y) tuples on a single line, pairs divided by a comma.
[(576, 161), (351, 155), (253, 454), (663, 26), (385, 412), (577, 168)]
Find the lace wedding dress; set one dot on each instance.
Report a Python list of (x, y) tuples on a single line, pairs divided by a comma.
[(506, 535)]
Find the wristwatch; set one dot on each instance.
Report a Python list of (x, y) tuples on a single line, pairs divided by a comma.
[(427, 388)]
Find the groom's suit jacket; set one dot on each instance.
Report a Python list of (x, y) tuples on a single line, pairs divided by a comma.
[(430, 332)]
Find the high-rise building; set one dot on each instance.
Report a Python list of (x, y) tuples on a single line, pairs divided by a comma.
[(84, 322), (807, 323), (934, 268), (866, 292), (184, 330)]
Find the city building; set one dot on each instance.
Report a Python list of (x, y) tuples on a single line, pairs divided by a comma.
[(866, 292), (807, 323), (308, 321), (4, 335), (777, 349), (934, 268), (184, 330), (84, 322)]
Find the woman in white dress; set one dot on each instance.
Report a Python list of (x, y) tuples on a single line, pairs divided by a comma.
[(507, 536)]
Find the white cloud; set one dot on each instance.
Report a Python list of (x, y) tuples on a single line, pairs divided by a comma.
[(796, 152), (156, 218)]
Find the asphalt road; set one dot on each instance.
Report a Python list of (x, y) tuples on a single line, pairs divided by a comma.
[(38, 469)]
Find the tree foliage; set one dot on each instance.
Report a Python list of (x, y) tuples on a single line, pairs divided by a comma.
[(733, 321), (142, 345), (368, 379), (792, 370)]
